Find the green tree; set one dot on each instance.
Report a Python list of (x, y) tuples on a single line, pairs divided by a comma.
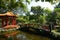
[(37, 12), (40, 14), (51, 16), (11, 5), (57, 12), (50, 0)]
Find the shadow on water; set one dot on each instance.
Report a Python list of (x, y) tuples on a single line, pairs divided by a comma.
[(39, 32), (36, 31)]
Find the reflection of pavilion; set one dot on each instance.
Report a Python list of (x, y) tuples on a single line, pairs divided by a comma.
[(8, 19)]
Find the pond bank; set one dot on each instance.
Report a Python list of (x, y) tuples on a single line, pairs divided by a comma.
[(30, 34), (24, 36), (40, 32)]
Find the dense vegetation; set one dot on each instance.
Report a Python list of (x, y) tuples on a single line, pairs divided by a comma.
[(40, 15)]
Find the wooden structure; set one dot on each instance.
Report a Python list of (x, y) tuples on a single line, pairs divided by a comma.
[(8, 19)]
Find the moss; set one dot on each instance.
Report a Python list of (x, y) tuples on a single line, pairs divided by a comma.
[(58, 30)]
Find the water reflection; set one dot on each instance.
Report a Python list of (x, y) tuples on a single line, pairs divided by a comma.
[(10, 38), (19, 35)]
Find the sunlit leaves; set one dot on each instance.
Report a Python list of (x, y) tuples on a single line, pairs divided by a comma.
[(28, 1), (50, 0), (37, 9), (12, 4), (23, 19), (39, 14), (47, 11), (57, 10), (36, 0)]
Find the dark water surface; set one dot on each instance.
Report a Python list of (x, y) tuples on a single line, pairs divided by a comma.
[(19, 35)]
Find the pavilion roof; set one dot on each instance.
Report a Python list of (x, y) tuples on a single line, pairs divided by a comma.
[(8, 14)]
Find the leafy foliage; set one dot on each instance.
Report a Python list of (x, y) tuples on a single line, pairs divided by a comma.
[(23, 19), (40, 16), (57, 9), (50, 0), (10, 5), (57, 12), (36, 0), (37, 10)]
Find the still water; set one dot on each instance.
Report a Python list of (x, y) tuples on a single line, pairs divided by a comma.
[(19, 35)]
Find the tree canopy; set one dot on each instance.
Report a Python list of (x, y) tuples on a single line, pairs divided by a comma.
[(11, 5)]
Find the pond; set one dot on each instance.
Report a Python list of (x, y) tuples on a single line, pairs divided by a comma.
[(19, 35)]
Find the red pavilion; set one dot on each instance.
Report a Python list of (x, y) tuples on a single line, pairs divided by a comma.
[(8, 20)]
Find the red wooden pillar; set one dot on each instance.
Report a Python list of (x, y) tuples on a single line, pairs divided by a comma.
[(2, 22), (13, 21), (6, 21)]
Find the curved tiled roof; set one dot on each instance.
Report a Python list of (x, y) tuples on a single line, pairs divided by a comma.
[(8, 14)]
